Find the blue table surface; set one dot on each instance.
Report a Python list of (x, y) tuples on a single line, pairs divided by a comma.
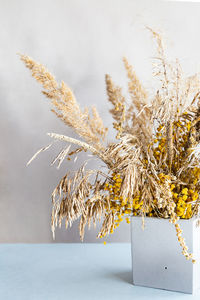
[(72, 271)]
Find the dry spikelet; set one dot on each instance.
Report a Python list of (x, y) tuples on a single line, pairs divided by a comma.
[(69, 197), (108, 225), (94, 210), (84, 145)]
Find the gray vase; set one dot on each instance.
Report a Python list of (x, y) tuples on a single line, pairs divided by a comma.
[(157, 260)]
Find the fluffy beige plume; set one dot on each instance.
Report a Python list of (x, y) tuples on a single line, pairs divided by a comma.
[(66, 106), (137, 92), (139, 111), (116, 98)]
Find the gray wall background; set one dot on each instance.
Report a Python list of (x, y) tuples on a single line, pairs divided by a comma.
[(79, 41)]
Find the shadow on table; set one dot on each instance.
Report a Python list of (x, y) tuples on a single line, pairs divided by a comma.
[(127, 276), (123, 276)]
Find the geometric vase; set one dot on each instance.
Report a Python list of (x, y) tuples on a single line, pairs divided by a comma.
[(157, 260)]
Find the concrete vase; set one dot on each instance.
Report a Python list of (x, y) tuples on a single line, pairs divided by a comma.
[(157, 260)]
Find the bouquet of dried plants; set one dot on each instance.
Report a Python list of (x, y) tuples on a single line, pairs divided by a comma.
[(152, 168)]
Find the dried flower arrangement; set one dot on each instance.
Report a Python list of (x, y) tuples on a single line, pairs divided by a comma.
[(152, 170)]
